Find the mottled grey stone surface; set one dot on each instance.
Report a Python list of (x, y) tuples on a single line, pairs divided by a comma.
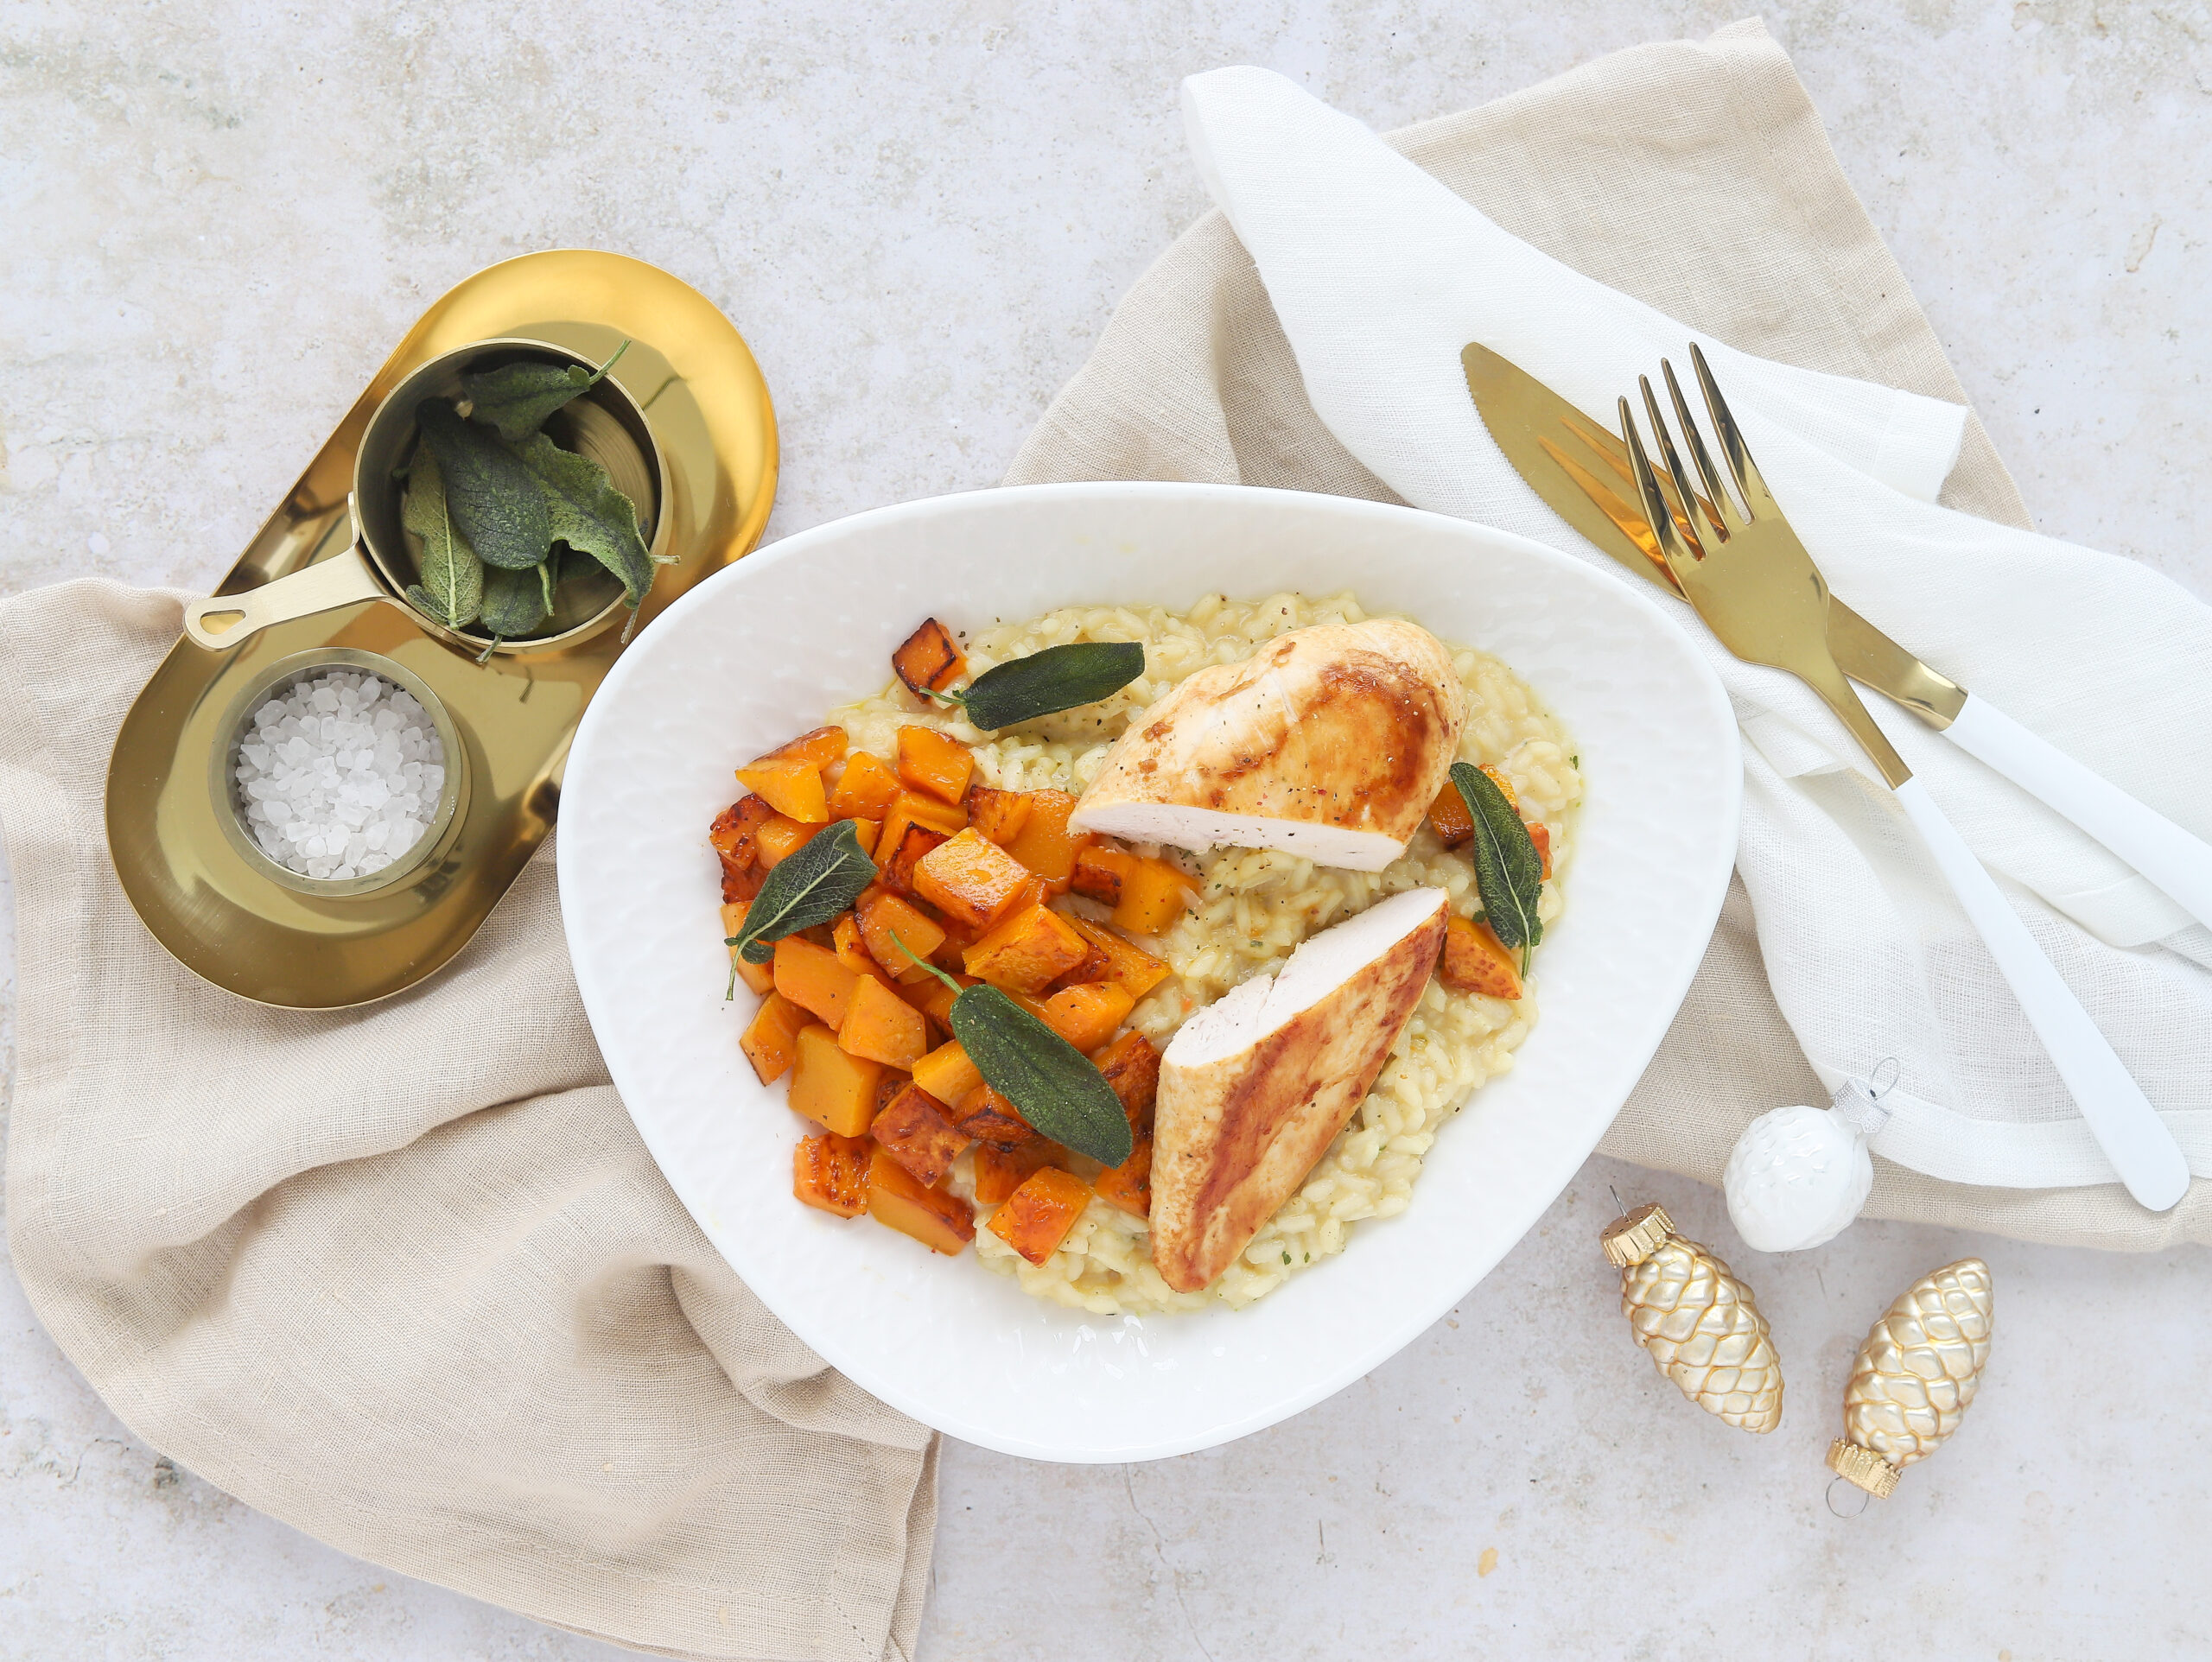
[(219, 217)]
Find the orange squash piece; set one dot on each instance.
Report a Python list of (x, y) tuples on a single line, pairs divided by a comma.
[(1095, 968), (1044, 844), (814, 979), (760, 977), (1086, 1016), (901, 859), (927, 660), (1036, 1217), (832, 1087), (999, 814), (771, 1038), (781, 837), (912, 1130), (940, 1220), (735, 835), (865, 791), (946, 1074), (991, 1119), (865, 833), (1131, 1066), (792, 787), (845, 942), (999, 1172), (1129, 1185), (1512, 796), (970, 879), (882, 915), (1028, 952), (1475, 960), (830, 1173), (1154, 895), (880, 1026), (935, 763), (936, 998), (1129, 966), (1448, 813), (1099, 871), (1541, 834), (817, 749)]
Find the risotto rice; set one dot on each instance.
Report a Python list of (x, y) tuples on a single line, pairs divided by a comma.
[(1254, 907)]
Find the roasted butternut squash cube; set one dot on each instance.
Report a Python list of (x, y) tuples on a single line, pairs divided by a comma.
[(1154, 895), (792, 787), (1129, 966), (817, 749), (935, 763), (781, 837), (1475, 960), (1541, 834), (913, 1130), (1044, 844), (812, 977), (866, 790), (830, 1173), (1099, 871), (880, 1026), (832, 1087), (937, 999), (1129, 1185), (1036, 1217), (1132, 1067), (865, 833), (999, 814), (760, 977), (946, 1074), (735, 835), (1028, 952), (991, 1119), (970, 879), (999, 1172), (1504, 784), (885, 922), (771, 1038), (900, 859), (1095, 969), (1087, 1016), (845, 942), (940, 1220), (928, 661), (1448, 813)]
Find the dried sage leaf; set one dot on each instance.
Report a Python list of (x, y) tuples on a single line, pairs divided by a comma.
[(1507, 870), (585, 511), (514, 602), (516, 398), (1044, 683), (452, 589), (493, 497), (811, 886)]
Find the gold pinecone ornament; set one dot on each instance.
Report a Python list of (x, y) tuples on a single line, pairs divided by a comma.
[(1701, 1324), (1914, 1376)]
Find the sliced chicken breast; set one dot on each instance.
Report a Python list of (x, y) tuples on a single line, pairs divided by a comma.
[(1329, 742), (1254, 1087)]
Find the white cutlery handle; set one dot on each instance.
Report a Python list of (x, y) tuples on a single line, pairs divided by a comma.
[(2177, 863), (2142, 1151)]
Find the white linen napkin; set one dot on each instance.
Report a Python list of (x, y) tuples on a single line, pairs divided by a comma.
[(1380, 275)]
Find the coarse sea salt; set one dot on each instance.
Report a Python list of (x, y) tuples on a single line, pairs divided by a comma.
[(340, 775)]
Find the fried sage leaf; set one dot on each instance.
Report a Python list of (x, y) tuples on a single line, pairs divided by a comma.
[(516, 398), (494, 499), (1044, 683), (1059, 1089), (811, 886), (1507, 870), (585, 511), (452, 589)]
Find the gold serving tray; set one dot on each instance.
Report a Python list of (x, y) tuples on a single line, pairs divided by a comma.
[(189, 875)]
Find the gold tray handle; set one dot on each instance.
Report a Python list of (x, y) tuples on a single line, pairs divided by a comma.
[(223, 621)]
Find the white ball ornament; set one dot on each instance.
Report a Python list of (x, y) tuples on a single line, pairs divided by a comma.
[(1798, 1176)]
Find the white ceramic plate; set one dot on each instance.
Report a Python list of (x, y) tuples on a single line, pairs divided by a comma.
[(760, 651)]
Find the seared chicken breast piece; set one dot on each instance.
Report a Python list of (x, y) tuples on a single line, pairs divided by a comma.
[(1254, 1087), (1329, 742)]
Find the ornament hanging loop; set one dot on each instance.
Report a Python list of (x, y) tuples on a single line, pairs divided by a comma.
[(1865, 1498)]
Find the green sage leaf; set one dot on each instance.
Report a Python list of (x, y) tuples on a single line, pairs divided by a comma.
[(1059, 1089), (452, 589), (1507, 870), (516, 398), (493, 499), (585, 511), (811, 886), (514, 602), (1044, 683)]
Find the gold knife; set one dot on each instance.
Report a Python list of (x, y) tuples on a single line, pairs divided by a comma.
[(1583, 471)]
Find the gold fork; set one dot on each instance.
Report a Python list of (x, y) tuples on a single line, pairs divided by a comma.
[(1749, 578)]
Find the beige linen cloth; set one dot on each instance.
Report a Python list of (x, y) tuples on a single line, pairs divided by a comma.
[(406, 1278)]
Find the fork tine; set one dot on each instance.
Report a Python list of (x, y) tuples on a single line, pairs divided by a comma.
[(1722, 506), (1614, 455), (1705, 532), (1676, 549), (1757, 499), (1627, 519)]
